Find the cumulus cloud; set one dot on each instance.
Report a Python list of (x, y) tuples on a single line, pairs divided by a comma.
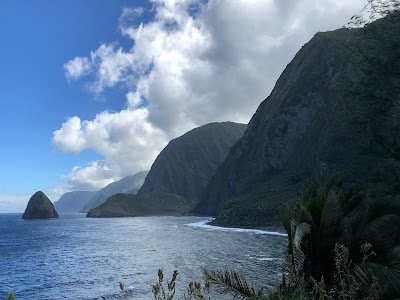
[(77, 67), (69, 137), (126, 139), (195, 62)]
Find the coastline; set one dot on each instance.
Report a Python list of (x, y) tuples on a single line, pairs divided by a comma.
[(209, 224)]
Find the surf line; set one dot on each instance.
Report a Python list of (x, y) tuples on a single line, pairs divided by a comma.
[(204, 224)]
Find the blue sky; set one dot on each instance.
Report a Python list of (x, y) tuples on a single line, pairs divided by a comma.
[(38, 37), (92, 90)]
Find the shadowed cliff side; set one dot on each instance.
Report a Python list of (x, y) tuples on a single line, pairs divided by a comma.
[(308, 126)]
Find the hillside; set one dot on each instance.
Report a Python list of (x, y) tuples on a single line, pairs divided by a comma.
[(179, 175), (187, 163), (73, 201), (130, 205), (128, 185), (323, 111), (39, 207)]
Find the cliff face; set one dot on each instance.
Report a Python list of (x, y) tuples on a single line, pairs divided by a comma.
[(187, 163), (39, 207), (303, 129), (178, 176), (127, 185)]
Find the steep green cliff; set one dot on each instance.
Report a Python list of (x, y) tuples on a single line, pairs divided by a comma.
[(39, 207), (315, 123), (187, 163), (179, 175), (127, 185)]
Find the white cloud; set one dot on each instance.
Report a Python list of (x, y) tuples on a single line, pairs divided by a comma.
[(77, 67), (126, 139), (69, 137), (194, 63)]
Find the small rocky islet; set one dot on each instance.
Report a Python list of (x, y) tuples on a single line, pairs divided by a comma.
[(40, 207)]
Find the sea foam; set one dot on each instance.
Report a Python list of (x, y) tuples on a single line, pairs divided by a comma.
[(204, 225)]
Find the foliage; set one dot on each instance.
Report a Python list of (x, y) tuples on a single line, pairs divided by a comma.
[(130, 205), (11, 296), (231, 281), (160, 292), (188, 162), (343, 245), (39, 207), (197, 290), (343, 240)]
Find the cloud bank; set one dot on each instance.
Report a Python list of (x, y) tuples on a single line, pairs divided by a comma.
[(195, 62)]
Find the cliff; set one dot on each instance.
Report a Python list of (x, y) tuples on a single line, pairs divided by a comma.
[(39, 207), (315, 123), (126, 185)]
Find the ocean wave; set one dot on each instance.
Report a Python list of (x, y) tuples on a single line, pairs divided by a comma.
[(204, 225)]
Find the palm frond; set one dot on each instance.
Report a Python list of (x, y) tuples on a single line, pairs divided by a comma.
[(391, 259), (383, 233), (229, 281), (331, 223), (387, 279), (302, 230)]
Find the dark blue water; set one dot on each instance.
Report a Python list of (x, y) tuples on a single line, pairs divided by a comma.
[(81, 258)]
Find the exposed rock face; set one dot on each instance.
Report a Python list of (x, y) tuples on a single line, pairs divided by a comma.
[(303, 129), (127, 185), (39, 207), (73, 201)]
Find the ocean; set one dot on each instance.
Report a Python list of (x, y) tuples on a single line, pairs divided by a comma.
[(75, 257)]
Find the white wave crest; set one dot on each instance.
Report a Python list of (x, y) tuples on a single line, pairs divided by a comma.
[(204, 225)]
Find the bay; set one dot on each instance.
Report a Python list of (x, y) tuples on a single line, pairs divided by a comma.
[(75, 257)]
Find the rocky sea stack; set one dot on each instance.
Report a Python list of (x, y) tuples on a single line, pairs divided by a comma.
[(39, 207)]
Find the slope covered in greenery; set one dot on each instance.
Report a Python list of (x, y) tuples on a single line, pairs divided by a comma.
[(150, 204), (179, 175), (332, 111), (128, 185), (187, 163), (39, 207)]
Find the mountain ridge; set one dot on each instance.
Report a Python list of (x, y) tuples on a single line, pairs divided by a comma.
[(304, 129), (179, 174), (73, 201), (128, 184)]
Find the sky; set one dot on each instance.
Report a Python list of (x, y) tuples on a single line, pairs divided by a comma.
[(91, 91)]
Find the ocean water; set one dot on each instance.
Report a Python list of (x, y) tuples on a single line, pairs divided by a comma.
[(75, 257)]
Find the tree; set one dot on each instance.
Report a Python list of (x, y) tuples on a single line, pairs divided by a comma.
[(346, 242)]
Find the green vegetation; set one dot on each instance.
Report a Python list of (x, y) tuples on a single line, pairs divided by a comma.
[(343, 243), (347, 242), (11, 296), (178, 176), (39, 207), (150, 204), (343, 236), (127, 185), (188, 162), (334, 111)]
